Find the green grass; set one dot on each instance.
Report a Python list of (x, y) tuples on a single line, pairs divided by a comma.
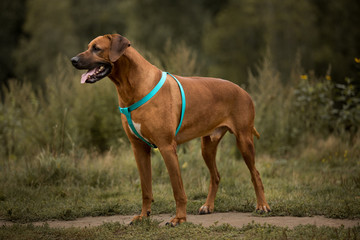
[(149, 229), (322, 180)]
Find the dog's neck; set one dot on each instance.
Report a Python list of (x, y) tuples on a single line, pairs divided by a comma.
[(134, 77)]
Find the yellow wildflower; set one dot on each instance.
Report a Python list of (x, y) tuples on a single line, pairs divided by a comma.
[(327, 77), (357, 60), (304, 77)]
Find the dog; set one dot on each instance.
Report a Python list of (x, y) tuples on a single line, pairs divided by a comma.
[(213, 107)]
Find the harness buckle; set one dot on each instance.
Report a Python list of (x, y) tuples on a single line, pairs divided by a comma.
[(124, 111)]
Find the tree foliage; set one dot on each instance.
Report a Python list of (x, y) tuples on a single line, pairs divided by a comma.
[(12, 14), (229, 36), (48, 31)]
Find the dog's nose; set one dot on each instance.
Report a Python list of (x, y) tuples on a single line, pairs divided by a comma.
[(75, 60)]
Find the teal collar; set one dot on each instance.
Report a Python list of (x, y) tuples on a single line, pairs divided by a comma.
[(127, 110)]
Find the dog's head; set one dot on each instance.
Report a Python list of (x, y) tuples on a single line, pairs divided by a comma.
[(100, 56)]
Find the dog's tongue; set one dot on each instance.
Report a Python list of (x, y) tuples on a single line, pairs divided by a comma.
[(85, 75)]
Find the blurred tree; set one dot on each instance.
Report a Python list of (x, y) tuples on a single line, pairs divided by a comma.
[(339, 37), (245, 29), (52, 28), (290, 31), (214, 6), (48, 30), (12, 16), (152, 23), (232, 35), (235, 40), (92, 18)]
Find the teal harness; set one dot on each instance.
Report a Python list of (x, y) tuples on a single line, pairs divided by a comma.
[(127, 110)]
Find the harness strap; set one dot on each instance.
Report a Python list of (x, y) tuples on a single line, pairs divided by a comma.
[(127, 110)]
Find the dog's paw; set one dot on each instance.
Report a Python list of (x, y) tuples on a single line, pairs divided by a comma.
[(206, 209), (263, 208), (139, 218), (136, 219), (175, 221)]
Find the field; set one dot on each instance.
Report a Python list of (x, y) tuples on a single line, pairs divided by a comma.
[(64, 156), (67, 187)]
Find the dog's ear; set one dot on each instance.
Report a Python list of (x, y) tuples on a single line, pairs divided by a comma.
[(118, 46)]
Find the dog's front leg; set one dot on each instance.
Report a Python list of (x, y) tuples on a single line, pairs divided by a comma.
[(143, 162), (168, 152)]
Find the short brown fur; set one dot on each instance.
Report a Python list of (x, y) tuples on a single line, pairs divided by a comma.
[(213, 107)]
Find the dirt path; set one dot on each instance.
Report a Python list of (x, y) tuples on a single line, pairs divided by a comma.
[(235, 219)]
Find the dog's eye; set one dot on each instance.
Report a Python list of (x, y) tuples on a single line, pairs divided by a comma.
[(96, 48)]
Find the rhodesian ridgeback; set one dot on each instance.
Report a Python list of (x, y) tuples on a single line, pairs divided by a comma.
[(213, 107)]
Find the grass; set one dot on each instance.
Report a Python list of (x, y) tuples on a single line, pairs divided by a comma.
[(317, 182), (150, 229)]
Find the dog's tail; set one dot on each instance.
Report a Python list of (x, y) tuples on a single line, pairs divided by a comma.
[(256, 133)]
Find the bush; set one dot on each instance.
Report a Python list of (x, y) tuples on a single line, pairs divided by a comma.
[(325, 107), (288, 114), (63, 116), (313, 105)]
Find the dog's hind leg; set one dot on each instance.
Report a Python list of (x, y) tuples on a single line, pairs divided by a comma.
[(245, 143), (209, 148)]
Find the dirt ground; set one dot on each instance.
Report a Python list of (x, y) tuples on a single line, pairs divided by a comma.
[(235, 219)]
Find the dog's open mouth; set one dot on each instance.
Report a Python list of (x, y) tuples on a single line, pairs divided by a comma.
[(95, 74)]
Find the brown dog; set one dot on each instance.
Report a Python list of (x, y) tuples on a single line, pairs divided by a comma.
[(213, 107)]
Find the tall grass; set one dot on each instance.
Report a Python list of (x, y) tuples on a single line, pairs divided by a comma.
[(63, 116), (273, 103)]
